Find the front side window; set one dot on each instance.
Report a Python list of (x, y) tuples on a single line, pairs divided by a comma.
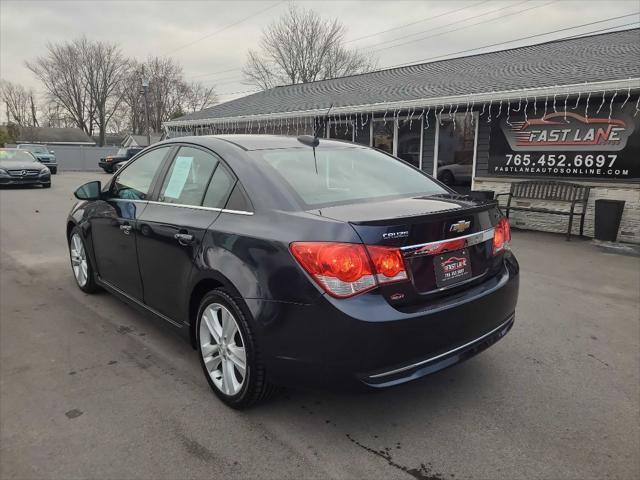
[(346, 175), (135, 180), (188, 177)]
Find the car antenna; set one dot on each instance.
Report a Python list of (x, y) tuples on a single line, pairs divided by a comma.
[(315, 134)]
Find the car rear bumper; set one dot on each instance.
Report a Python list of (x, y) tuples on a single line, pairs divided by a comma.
[(363, 340)]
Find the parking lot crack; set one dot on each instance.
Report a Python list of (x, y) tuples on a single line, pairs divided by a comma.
[(423, 472)]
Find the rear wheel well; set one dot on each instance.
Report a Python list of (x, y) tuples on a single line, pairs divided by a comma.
[(199, 291)]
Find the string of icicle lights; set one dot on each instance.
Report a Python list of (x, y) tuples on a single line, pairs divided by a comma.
[(593, 103)]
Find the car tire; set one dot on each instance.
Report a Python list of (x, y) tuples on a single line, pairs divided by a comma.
[(54, 171), (46, 185), (447, 178), (78, 254), (220, 316), (108, 169)]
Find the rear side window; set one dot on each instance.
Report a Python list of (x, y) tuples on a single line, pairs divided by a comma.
[(346, 174), (188, 177), (219, 188), (135, 180)]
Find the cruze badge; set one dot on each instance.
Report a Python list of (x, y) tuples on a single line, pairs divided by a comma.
[(460, 226), (392, 235)]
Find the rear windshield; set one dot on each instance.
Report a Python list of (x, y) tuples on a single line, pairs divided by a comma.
[(346, 174)]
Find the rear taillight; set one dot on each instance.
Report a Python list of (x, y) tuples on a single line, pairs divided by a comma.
[(501, 236), (346, 269)]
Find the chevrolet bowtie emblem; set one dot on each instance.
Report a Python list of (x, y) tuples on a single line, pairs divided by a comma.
[(460, 226)]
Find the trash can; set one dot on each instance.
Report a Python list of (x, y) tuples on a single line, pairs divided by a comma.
[(607, 221), (482, 194)]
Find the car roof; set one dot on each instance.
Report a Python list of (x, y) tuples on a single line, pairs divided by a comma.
[(269, 142)]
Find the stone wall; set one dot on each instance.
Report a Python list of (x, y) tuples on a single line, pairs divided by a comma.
[(629, 192)]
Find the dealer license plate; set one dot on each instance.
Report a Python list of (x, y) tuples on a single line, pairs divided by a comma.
[(452, 267)]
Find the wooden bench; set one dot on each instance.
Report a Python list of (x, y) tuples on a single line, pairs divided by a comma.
[(553, 191)]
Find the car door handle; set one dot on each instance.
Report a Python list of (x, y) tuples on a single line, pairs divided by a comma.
[(183, 239), (126, 229)]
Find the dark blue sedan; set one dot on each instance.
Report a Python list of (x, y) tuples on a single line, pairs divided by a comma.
[(298, 261)]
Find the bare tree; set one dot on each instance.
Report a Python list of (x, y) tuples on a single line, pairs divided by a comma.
[(165, 89), (120, 120), (84, 78), (19, 103), (132, 98), (198, 97), (54, 115), (60, 71), (104, 70), (302, 47)]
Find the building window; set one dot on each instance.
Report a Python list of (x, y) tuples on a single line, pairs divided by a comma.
[(363, 134), (409, 140), (341, 131), (383, 135), (455, 150)]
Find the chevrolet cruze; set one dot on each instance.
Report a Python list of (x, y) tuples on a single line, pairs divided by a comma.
[(298, 261)]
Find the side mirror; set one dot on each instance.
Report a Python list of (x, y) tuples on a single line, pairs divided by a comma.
[(52, 151), (89, 191)]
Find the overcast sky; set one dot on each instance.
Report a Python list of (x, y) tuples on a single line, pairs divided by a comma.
[(210, 39)]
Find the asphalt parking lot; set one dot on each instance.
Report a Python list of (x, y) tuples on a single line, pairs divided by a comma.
[(89, 388)]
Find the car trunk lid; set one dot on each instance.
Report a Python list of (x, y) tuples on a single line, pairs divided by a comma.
[(440, 236)]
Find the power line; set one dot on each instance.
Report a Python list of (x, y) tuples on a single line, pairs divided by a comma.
[(444, 26), (378, 33), (418, 21), (405, 36), (235, 93), (467, 26), (214, 73), (602, 30), (226, 27), (414, 62)]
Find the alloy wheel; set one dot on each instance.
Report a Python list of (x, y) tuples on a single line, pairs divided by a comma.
[(223, 349), (78, 259)]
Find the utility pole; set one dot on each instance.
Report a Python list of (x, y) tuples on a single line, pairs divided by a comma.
[(145, 90)]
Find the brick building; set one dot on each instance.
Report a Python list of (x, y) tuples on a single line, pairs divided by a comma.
[(566, 109)]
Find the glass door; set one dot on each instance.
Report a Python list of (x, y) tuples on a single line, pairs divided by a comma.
[(383, 135), (456, 150), (410, 140)]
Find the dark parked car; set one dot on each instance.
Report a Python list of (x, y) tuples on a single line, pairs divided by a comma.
[(298, 261), (111, 163), (19, 167), (43, 155)]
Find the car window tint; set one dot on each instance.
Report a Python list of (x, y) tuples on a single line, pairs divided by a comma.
[(135, 181), (238, 200), (188, 177), (219, 188)]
